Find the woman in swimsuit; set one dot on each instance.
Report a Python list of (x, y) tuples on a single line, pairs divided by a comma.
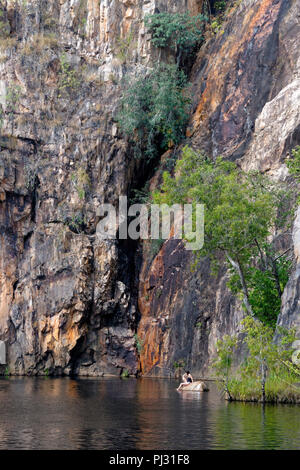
[(187, 379)]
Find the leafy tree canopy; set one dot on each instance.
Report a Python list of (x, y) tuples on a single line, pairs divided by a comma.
[(241, 211)]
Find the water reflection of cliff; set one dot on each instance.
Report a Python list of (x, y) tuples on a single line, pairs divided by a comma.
[(136, 414)]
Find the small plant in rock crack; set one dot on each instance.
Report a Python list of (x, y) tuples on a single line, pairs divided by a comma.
[(12, 98), (180, 364), (81, 181), (221, 5), (125, 46), (81, 13), (69, 78), (76, 223), (293, 165)]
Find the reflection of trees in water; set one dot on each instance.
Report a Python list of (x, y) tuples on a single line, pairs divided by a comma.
[(46, 413), (255, 426)]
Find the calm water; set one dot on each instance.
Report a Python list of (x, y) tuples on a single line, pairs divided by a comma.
[(142, 414)]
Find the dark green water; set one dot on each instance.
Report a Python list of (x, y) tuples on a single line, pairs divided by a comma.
[(41, 413)]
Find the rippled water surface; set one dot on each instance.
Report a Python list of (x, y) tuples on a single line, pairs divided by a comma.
[(44, 413)]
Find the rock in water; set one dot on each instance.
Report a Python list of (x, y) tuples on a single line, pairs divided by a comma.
[(2, 353), (196, 387)]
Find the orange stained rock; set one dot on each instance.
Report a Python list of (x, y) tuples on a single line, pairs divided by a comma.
[(151, 352), (153, 337), (72, 335), (224, 61)]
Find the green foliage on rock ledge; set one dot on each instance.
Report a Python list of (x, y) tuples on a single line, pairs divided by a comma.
[(69, 78), (221, 5), (266, 281), (4, 25), (154, 110), (181, 32)]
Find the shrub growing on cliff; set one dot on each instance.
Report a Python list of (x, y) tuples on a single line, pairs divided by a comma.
[(154, 110), (69, 78), (4, 25), (221, 5), (241, 212), (180, 32), (81, 181)]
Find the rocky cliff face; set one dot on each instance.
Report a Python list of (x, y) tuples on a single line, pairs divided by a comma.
[(67, 302), (246, 107), (70, 303)]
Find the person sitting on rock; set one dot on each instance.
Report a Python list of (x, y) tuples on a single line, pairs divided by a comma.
[(187, 379)]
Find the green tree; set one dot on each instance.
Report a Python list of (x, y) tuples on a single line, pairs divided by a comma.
[(266, 360), (266, 282), (241, 211), (154, 110), (265, 356), (181, 32), (223, 362)]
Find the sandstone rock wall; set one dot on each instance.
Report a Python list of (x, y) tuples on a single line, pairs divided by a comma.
[(70, 303), (66, 303)]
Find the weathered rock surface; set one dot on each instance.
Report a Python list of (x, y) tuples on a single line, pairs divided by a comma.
[(70, 303), (246, 107), (66, 301), (196, 386)]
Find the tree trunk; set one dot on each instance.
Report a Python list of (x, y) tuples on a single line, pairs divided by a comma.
[(262, 259), (227, 392), (263, 381), (275, 272), (236, 265)]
